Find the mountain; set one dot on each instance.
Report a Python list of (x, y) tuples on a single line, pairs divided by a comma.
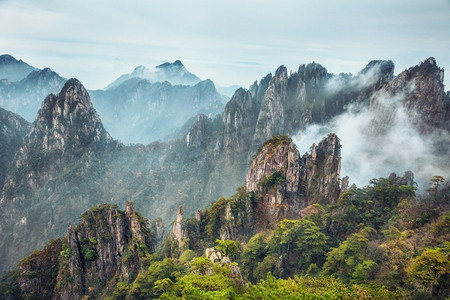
[(24, 97), (138, 111), (13, 69), (12, 129), (64, 142), (68, 163), (175, 73), (292, 231)]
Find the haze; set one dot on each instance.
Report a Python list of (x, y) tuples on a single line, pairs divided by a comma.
[(230, 42)]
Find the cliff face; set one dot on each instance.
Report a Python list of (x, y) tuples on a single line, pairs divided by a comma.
[(65, 141), (279, 184), (287, 183), (106, 243), (107, 246), (424, 97), (12, 129)]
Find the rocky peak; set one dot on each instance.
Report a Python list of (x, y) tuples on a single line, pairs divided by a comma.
[(239, 119), (320, 174), (178, 233), (421, 91), (197, 135), (65, 123), (287, 183), (105, 245), (384, 69), (13, 69), (176, 64), (7, 59), (312, 70), (271, 118)]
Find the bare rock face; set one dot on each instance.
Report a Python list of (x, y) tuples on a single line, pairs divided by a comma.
[(422, 93), (177, 229), (320, 174), (37, 272), (271, 118), (12, 129), (239, 119), (287, 183), (107, 243), (67, 135)]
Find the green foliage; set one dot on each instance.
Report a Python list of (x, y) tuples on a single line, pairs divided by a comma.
[(349, 261), (9, 285), (89, 253), (187, 256), (143, 286), (254, 252), (372, 205), (272, 180), (316, 288), (428, 268), (442, 226), (270, 264), (230, 248)]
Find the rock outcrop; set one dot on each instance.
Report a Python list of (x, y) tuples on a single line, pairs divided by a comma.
[(12, 130), (107, 246), (66, 139), (422, 93), (106, 243), (280, 184), (287, 183)]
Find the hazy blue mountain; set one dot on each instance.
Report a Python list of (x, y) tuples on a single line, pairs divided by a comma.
[(13, 69), (24, 97), (67, 161), (175, 73), (138, 111)]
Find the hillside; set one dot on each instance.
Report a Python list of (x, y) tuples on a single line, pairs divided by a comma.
[(67, 162), (277, 237)]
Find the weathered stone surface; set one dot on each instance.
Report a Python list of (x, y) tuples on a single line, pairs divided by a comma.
[(67, 132), (286, 183), (97, 248), (12, 129), (177, 229)]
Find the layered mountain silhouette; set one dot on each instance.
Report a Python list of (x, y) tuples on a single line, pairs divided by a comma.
[(68, 162), (174, 73)]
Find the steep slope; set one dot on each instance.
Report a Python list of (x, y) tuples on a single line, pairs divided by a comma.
[(108, 245), (24, 97), (12, 129), (175, 73), (280, 184), (62, 145), (138, 111), (204, 162), (13, 69)]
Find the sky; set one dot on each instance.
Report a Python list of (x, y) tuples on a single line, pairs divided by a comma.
[(231, 42)]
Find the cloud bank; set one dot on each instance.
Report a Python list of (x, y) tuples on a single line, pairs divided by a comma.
[(380, 139)]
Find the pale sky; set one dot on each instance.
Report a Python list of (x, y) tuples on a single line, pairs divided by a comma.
[(228, 41)]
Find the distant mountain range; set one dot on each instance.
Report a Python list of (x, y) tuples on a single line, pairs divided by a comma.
[(143, 106), (66, 161), (175, 73)]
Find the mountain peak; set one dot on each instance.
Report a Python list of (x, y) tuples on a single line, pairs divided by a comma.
[(8, 59), (175, 73), (176, 64), (67, 121), (13, 69)]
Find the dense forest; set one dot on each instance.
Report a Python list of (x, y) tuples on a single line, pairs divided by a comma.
[(381, 241)]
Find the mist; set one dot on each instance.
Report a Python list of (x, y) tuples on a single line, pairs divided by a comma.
[(380, 139)]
